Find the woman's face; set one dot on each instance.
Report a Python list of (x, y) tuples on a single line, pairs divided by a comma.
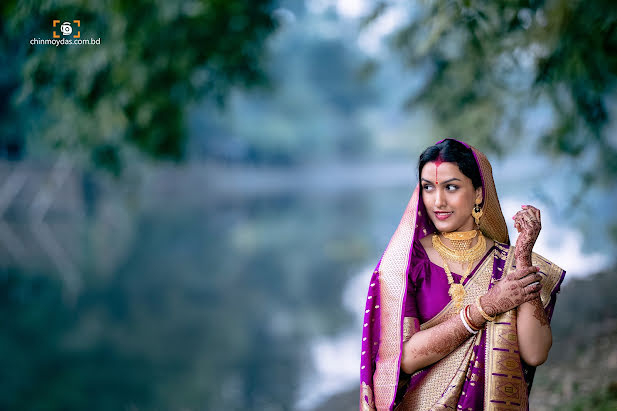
[(448, 196)]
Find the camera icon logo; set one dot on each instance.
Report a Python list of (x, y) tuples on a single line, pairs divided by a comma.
[(66, 29)]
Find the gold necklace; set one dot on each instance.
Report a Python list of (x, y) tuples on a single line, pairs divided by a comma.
[(460, 235), (461, 240), (462, 253)]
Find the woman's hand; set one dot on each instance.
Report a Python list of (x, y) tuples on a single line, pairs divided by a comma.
[(527, 222), (517, 287), (534, 333)]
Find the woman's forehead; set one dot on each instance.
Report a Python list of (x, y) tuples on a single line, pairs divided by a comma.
[(435, 171)]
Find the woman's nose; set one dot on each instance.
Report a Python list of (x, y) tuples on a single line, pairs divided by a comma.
[(440, 199)]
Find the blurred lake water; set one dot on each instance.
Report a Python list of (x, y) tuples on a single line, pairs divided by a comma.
[(185, 289)]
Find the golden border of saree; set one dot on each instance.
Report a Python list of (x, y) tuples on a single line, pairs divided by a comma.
[(505, 388), (367, 403), (441, 387), (552, 275), (392, 288)]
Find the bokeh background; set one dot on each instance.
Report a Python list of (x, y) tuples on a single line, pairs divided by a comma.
[(190, 210)]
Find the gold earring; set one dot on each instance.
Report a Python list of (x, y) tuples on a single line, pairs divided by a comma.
[(477, 212)]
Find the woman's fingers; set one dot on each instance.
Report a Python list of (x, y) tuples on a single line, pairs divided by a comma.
[(522, 272), (529, 210), (532, 213), (526, 219), (530, 216), (520, 223), (535, 286), (519, 214), (530, 279)]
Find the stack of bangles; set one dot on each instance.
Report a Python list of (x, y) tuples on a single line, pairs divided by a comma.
[(466, 317)]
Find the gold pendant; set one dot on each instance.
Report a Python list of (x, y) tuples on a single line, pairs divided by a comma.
[(457, 293)]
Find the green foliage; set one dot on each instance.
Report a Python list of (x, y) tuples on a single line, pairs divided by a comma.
[(131, 90), (493, 61), (315, 111)]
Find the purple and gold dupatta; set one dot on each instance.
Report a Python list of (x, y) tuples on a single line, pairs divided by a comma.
[(384, 321)]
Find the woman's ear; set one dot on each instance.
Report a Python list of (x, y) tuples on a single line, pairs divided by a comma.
[(479, 195)]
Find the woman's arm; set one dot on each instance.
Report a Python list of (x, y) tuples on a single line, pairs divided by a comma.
[(429, 346), (534, 332)]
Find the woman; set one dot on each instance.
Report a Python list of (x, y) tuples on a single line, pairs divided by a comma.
[(455, 317)]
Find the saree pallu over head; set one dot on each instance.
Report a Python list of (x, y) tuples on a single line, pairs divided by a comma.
[(449, 383)]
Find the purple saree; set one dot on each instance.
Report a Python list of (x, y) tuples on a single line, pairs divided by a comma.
[(485, 372)]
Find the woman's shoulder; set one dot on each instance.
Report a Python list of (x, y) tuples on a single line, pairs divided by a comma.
[(420, 261)]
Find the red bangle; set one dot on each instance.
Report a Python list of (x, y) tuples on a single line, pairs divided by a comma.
[(468, 318)]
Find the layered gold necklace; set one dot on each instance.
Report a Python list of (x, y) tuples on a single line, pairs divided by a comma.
[(463, 253)]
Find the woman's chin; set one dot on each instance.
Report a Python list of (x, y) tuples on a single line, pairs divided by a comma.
[(449, 226), (442, 226)]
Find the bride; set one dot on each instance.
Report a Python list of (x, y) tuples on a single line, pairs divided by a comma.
[(455, 317)]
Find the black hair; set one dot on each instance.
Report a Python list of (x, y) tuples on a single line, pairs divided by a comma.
[(452, 151)]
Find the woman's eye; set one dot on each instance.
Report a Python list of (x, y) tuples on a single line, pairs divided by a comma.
[(451, 187), (427, 186)]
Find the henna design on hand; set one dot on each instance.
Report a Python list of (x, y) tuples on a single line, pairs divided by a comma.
[(509, 293), (502, 305), (513, 289), (528, 224), (524, 247), (442, 340)]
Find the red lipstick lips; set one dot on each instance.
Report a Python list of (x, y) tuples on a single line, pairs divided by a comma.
[(442, 215)]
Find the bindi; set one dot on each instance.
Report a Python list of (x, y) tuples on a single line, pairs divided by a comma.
[(437, 162)]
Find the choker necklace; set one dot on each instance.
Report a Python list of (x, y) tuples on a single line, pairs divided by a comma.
[(462, 252)]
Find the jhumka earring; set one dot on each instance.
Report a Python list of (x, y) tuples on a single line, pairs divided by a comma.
[(477, 212)]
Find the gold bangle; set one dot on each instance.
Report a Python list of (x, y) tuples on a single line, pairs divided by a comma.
[(482, 312)]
